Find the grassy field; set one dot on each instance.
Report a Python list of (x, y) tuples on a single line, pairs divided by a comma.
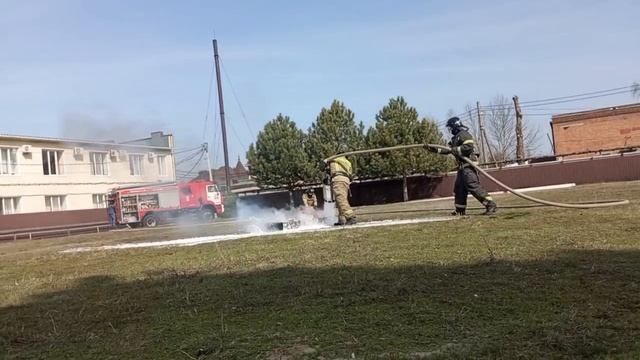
[(528, 283)]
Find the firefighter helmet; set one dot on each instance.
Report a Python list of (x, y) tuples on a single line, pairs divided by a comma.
[(455, 125)]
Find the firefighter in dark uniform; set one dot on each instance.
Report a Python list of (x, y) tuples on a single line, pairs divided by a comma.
[(467, 181)]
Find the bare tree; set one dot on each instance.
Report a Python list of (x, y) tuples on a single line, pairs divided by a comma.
[(470, 119), (531, 139), (499, 117), (500, 121), (500, 125)]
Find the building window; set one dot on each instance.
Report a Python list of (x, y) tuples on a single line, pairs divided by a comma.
[(51, 162), (98, 163), (9, 205), (8, 161), (162, 165), (135, 164), (55, 202), (99, 200)]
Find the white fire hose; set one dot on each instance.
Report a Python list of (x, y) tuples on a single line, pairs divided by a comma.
[(589, 205)]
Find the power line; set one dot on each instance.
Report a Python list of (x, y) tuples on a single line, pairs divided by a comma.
[(237, 137), (188, 150), (577, 95), (580, 99), (566, 99), (193, 167), (235, 96), (190, 157), (206, 116)]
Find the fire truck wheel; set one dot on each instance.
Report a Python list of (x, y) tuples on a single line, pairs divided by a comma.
[(209, 214), (150, 221)]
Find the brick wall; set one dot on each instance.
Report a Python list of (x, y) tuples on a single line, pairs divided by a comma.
[(596, 130)]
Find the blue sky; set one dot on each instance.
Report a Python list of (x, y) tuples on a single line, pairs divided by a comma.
[(124, 68)]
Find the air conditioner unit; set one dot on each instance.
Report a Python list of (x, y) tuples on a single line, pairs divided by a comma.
[(113, 153), (77, 151), (26, 149), (152, 155)]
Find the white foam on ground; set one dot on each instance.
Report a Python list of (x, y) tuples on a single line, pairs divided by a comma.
[(216, 238)]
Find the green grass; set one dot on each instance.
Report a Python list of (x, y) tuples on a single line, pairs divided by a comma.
[(528, 283)]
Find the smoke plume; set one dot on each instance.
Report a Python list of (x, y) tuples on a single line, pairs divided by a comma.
[(106, 128), (261, 219)]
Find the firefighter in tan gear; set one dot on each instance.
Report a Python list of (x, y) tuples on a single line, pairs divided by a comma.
[(467, 181), (309, 199), (341, 172)]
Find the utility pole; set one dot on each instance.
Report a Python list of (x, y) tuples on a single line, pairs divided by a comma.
[(224, 127), (206, 149), (519, 135), (483, 158)]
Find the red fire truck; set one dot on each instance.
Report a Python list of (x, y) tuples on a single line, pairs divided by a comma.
[(151, 204)]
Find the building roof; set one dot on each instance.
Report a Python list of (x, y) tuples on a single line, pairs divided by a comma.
[(596, 113), (78, 141)]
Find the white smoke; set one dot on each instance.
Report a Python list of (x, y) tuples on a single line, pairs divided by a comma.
[(261, 219)]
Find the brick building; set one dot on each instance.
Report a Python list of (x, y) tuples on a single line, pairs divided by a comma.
[(597, 131)]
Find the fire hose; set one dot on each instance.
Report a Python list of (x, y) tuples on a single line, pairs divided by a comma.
[(589, 205)]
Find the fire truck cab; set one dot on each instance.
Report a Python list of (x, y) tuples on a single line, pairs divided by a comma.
[(151, 204)]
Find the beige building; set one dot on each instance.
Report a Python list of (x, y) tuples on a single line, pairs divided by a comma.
[(39, 174)]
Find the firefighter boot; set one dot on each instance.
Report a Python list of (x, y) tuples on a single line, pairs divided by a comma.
[(459, 212), (351, 221), (490, 208)]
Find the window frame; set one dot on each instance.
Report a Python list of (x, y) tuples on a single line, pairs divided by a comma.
[(99, 204), (15, 165), (141, 167), (15, 205), (104, 164), (162, 165), (61, 203), (59, 162)]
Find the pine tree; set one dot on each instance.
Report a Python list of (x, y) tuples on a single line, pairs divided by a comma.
[(278, 157), (398, 124), (334, 130)]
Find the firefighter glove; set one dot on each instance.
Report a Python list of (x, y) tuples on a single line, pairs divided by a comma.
[(432, 149)]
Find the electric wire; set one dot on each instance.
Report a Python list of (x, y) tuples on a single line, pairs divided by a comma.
[(206, 115), (565, 99), (194, 166), (237, 136), (628, 87), (235, 96)]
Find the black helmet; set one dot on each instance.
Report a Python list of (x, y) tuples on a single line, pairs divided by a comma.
[(309, 191), (455, 125)]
